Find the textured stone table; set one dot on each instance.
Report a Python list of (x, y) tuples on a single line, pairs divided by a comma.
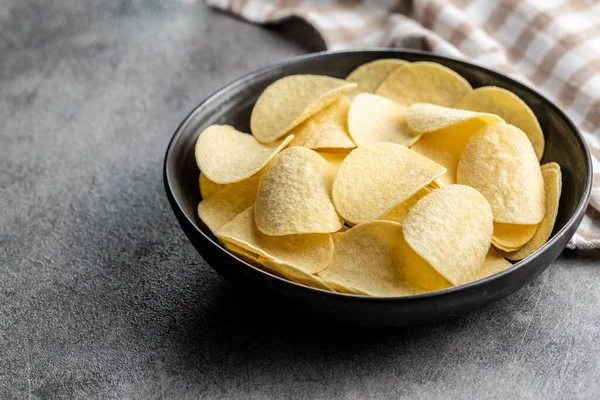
[(101, 295)]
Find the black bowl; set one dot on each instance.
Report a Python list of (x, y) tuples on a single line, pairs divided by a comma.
[(232, 105)]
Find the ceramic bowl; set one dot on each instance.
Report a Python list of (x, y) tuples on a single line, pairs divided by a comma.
[(232, 105)]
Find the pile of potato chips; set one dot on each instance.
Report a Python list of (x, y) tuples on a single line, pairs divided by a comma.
[(399, 180)]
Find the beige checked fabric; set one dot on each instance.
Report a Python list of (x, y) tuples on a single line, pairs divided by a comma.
[(552, 45)]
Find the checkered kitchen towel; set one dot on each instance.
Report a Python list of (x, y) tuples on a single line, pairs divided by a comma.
[(553, 45)]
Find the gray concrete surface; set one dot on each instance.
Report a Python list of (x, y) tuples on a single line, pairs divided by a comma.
[(101, 295)]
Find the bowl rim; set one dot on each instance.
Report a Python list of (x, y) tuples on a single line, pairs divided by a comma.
[(580, 209)]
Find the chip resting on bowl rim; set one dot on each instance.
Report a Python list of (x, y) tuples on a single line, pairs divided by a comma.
[(493, 264), (424, 82), (553, 187), (511, 108), (309, 253), (226, 155), (209, 188), (369, 76), (510, 237), (223, 206)]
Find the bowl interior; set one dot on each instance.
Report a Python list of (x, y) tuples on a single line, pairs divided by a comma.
[(232, 105)]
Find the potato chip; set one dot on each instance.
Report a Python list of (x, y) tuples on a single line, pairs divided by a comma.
[(446, 146), (371, 259), (510, 237), (500, 163), (290, 101), (552, 186), (424, 118), (511, 108), (309, 253), (551, 165), (398, 214), (333, 163), (223, 206), (418, 272), (225, 155), (294, 274), (327, 129), (374, 118), (246, 255), (451, 229), (294, 195), (370, 75), (424, 82), (208, 187), (493, 264), (436, 184), (277, 268), (377, 177)]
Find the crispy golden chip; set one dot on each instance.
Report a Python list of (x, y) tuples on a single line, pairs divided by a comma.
[(435, 184), (294, 274), (398, 214), (377, 177), (370, 75), (334, 159), (551, 165), (208, 187), (493, 263), (500, 163), (424, 82), (246, 255), (333, 163), (511, 108), (225, 155), (510, 237), (374, 118), (223, 206), (418, 272), (309, 253), (553, 186), (277, 268), (425, 118), (499, 247), (451, 229), (327, 129), (446, 146), (294, 195), (373, 259), (290, 101)]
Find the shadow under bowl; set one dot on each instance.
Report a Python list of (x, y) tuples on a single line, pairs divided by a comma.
[(232, 105)]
